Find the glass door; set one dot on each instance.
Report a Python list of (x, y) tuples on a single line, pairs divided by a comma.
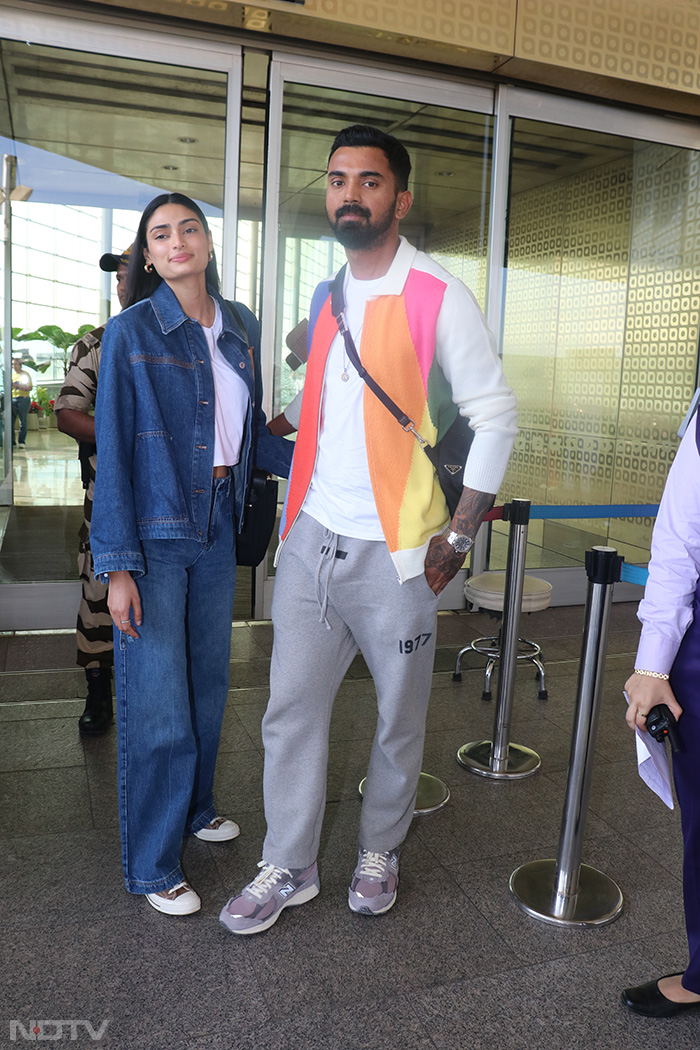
[(95, 136), (599, 326), (448, 132)]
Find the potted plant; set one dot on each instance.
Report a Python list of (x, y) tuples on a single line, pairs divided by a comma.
[(60, 339), (45, 405), (33, 417)]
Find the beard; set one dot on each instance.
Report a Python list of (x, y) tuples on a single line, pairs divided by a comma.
[(363, 234)]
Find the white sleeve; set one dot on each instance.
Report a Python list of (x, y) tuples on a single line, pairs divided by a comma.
[(466, 352), (292, 412), (667, 607)]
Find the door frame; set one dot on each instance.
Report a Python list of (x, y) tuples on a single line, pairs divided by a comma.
[(365, 80), (53, 605)]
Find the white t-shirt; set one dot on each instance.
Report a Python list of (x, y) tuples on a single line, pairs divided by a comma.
[(340, 495), (231, 399)]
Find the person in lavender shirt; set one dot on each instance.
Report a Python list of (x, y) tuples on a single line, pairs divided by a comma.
[(667, 671)]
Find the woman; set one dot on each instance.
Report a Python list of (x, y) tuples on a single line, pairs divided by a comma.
[(667, 671), (178, 405)]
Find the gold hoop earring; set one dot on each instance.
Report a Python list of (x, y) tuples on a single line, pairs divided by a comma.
[(148, 267), (211, 256)]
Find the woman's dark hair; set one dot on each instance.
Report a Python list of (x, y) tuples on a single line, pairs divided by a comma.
[(366, 137), (139, 283)]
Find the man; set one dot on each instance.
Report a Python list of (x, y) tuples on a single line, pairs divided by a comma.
[(367, 543), (21, 401), (73, 406)]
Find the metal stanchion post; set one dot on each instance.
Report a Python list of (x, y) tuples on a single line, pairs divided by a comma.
[(564, 891), (499, 758)]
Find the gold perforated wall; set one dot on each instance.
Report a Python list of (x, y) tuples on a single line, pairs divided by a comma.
[(461, 248), (641, 51), (467, 23), (601, 329), (648, 41)]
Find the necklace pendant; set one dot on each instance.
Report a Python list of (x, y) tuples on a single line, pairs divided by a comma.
[(345, 376)]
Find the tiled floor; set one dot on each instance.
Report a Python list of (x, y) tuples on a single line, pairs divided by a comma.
[(454, 965)]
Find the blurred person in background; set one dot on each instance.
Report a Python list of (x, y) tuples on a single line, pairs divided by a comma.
[(73, 407)]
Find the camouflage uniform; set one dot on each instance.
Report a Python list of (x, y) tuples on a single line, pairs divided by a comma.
[(94, 627)]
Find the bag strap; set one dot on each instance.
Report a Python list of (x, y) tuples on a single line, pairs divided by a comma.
[(338, 310), (239, 321)]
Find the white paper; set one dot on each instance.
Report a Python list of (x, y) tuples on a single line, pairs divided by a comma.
[(652, 764)]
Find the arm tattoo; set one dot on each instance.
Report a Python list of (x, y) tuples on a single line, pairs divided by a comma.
[(466, 520), (470, 511)]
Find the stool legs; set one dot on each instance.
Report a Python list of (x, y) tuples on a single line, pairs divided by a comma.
[(490, 648), (490, 664), (457, 675), (542, 695)]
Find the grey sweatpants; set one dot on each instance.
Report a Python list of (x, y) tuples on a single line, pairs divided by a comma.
[(354, 583)]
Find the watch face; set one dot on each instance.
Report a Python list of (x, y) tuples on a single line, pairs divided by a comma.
[(460, 544)]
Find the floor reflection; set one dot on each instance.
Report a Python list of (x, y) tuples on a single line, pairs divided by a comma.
[(47, 472)]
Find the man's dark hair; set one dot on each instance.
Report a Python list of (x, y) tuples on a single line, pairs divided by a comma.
[(365, 136), (139, 283)]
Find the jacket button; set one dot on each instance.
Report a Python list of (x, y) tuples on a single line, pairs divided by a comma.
[(241, 364)]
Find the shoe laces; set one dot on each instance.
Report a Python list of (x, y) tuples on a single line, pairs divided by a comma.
[(268, 877), (173, 889), (372, 865)]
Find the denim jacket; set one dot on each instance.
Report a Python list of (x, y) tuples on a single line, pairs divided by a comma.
[(154, 419)]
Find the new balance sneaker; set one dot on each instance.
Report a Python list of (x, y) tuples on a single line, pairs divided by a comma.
[(374, 882), (262, 901)]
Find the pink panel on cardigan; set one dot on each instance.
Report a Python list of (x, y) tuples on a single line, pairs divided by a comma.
[(423, 295)]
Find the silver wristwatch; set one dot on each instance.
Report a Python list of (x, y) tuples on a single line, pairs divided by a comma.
[(459, 543)]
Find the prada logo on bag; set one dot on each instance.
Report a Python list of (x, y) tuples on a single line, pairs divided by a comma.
[(452, 468)]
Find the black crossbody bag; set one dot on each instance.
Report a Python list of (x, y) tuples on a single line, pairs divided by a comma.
[(260, 504), (449, 454)]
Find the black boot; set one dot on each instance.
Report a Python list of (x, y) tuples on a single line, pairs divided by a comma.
[(97, 716)]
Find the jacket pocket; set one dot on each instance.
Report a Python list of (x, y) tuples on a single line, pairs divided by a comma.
[(157, 490)]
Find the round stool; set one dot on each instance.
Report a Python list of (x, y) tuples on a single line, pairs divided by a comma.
[(487, 590)]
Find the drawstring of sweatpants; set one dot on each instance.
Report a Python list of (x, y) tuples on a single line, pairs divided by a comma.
[(328, 550)]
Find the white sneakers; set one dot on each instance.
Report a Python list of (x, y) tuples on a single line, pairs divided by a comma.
[(180, 900), (220, 830)]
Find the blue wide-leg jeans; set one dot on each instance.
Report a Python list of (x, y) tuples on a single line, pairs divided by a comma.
[(171, 686)]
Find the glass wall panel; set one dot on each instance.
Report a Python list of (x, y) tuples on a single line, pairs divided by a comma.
[(95, 138), (600, 328)]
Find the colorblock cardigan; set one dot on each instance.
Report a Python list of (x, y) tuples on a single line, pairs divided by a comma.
[(425, 341)]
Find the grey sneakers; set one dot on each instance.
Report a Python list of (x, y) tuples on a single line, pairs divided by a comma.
[(262, 901), (374, 882)]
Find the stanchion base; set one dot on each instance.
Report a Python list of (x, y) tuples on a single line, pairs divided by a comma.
[(599, 899), (476, 757), (432, 794)]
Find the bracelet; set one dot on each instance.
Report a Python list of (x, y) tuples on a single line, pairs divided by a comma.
[(651, 674)]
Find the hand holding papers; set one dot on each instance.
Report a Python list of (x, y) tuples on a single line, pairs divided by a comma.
[(652, 763)]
